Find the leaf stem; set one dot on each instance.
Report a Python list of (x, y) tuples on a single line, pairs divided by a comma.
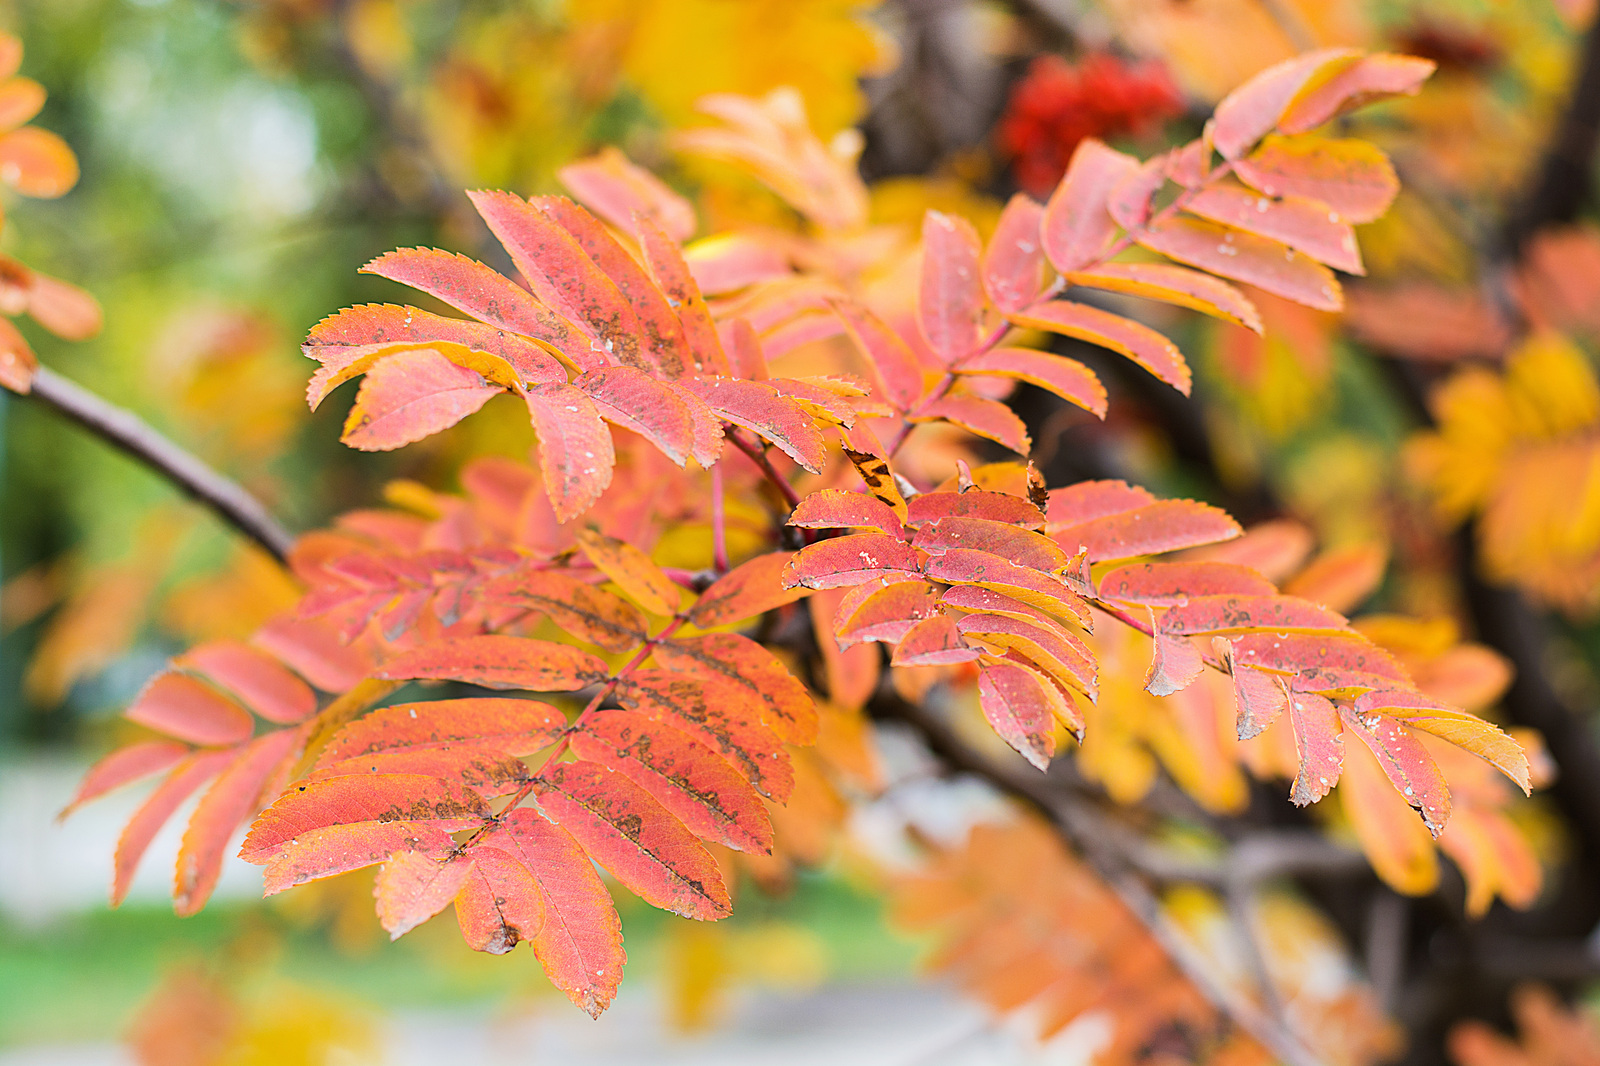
[(758, 455)]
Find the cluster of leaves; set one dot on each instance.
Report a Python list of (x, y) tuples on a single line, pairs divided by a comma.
[(687, 731)]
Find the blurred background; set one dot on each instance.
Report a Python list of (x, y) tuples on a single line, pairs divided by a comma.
[(240, 160)]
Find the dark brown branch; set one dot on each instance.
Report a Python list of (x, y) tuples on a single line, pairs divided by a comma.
[(123, 429)]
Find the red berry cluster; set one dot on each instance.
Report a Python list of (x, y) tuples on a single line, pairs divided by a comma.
[(1057, 104)]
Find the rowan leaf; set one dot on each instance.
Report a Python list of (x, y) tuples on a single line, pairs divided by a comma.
[(1166, 584), (356, 803), (1260, 698), (413, 887), (849, 560), (338, 849), (312, 649), (1132, 198), (950, 304), (1066, 377), (758, 407), (1483, 739), (1162, 526), (1014, 703), (1088, 500), (499, 904), (1321, 661), (625, 830), (693, 782), (1407, 763), (611, 186), (514, 727), (582, 610), (973, 503), (986, 418), (1045, 645), (1127, 338), (37, 163), (1252, 110), (672, 274), (886, 613), (978, 598), (722, 715), (1174, 666), (232, 798), (838, 509), (499, 662), (580, 943), (933, 641), (895, 364), (1249, 614), (633, 572), (1301, 224), (258, 680), (488, 773), (1077, 228), (632, 399), (1024, 547), (575, 450), (751, 588), (1352, 177), (1174, 285), (1336, 89), (1233, 253), (786, 706), (964, 566), (194, 771), (1319, 745), (123, 767), (1013, 264), (190, 710), (412, 394)]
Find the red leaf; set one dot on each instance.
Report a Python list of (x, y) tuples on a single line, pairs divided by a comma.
[(1372, 77), (1088, 500), (1174, 285), (499, 662), (580, 943), (515, 727), (1013, 264), (1354, 178), (1248, 614), (1266, 264), (1067, 378), (977, 598), (693, 782), (356, 803), (500, 903), (1077, 229), (314, 651), (743, 348), (1024, 547), (1130, 201), (663, 347), (1249, 112), (467, 285), (338, 849), (787, 708), (887, 613), (1165, 584), (410, 395), (615, 189), (751, 588), (630, 834), (986, 418), (1301, 224), (1410, 768), (1464, 730), (412, 887), (898, 370), (232, 798), (721, 715), (153, 813), (575, 451), (758, 407), (190, 710), (1045, 645), (636, 401), (1014, 702), (973, 503), (1260, 698), (123, 767), (1174, 666), (1321, 660), (672, 274), (488, 773), (1319, 745), (1124, 336), (1163, 526), (849, 560), (838, 509), (584, 611), (258, 680), (934, 641), (950, 303), (561, 274), (962, 566)]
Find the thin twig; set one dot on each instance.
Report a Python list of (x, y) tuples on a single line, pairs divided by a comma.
[(125, 430), (758, 455)]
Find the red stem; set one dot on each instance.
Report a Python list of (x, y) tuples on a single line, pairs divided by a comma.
[(719, 530)]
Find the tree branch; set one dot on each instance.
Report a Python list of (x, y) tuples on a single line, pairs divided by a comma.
[(123, 429), (1564, 181)]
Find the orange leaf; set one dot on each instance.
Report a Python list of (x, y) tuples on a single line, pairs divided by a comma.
[(1174, 285), (1252, 110), (499, 662), (36, 162), (986, 418), (499, 904), (1124, 336), (576, 455), (1163, 526), (190, 710), (123, 767), (258, 680), (610, 185), (168, 796), (751, 588), (1301, 224), (950, 303), (584, 611), (787, 708), (1067, 378), (633, 571), (412, 887), (1352, 177), (1266, 264)]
